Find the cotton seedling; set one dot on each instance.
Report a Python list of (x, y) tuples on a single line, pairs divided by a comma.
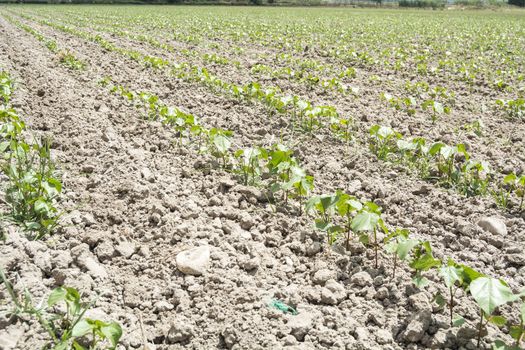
[(347, 206), (423, 260), (184, 124), (32, 189), (62, 317), (69, 60), (342, 128), (6, 87), (249, 163), (445, 164), (436, 109), (150, 103), (476, 127), (287, 175), (301, 184), (514, 109), (517, 185), (383, 141), (400, 245), (406, 104), (368, 220), (490, 293), (475, 178), (324, 207), (415, 154), (219, 143), (453, 277), (516, 331)]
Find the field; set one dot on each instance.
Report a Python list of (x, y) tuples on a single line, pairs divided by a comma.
[(261, 178)]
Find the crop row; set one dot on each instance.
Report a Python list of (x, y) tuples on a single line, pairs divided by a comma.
[(342, 216), (312, 71), (369, 47), (436, 100), (32, 192), (65, 56), (309, 118), (449, 166), (295, 69), (32, 188), (339, 215)]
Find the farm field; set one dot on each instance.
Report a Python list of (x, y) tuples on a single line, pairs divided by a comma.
[(261, 178)]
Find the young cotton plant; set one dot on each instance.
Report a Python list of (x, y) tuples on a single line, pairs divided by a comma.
[(455, 276), (62, 316), (423, 260), (368, 221), (287, 176), (324, 207), (249, 163), (32, 189), (406, 104), (517, 185), (436, 109), (383, 141), (219, 143), (514, 109), (400, 245), (490, 293)]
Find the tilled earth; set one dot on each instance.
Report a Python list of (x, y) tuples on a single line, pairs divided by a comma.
[(133, 200)]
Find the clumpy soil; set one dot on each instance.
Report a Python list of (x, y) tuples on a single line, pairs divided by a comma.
[(133, 200)]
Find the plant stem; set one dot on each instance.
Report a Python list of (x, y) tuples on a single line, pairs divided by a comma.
[(451, 305), (375, 245), (480, 327)]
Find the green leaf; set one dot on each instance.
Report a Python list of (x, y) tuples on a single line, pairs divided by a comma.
[(77, 346), (364, 221), (61, 346), (56, 296), (499, 321), (450, 274), (510, 178), (500, 345), (41, 207), (458, 321), (469, 274), (490, 293), (222, 143), (440, 300), (363, 238), (405, 247), (516, 331), (82, 328), (420, 281), (112, 331)]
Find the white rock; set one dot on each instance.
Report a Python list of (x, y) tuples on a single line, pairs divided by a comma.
[(193, 261), (362, 279), (323, 275), (418, 325), (301, 324), (94, 268), (147, 175), (126, 249), (493, 225)]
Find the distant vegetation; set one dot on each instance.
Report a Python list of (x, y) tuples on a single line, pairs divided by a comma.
[(436, 4)]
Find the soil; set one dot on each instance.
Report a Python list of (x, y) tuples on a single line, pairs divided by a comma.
[(133, 200)]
